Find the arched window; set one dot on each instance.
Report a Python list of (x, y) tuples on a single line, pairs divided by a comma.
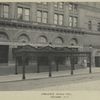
[(42, 39), (59, 40), (23, 38), (3, 36), (73, 41)]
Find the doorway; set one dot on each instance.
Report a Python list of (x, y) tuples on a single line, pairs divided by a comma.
[(4, 53)]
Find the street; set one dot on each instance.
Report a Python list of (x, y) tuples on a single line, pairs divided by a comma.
[(59, 81)]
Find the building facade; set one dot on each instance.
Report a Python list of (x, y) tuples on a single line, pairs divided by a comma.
[(72, 24)]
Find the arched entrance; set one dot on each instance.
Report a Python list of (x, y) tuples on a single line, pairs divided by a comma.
[(4, 49), (43, 59), (23, 38)]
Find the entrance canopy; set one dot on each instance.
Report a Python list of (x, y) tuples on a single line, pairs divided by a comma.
[(29, 51), (46, 50)]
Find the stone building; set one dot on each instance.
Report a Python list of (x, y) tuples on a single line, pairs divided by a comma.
[(72, 24)]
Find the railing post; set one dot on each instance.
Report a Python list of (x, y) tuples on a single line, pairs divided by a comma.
[(90, 71), (23, 61), (50, 66), (38, 67), (72, 64), (16, 64)]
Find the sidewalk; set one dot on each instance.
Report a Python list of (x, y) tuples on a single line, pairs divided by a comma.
[(77, 73)]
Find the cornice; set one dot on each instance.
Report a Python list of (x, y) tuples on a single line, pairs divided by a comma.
[(47, 27)]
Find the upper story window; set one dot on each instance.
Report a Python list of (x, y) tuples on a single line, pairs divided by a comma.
[(70, 21), (59, 5), (73, 7), (55, 18), (27, 14), (55, 4), (23, 13), (98, 27), (20, 13), (6, 11), (42, 17), (73, 21), (58, 19), (39, 16), (89, 25), (70, 6)]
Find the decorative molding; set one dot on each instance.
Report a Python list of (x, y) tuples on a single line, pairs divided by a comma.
[(31, 25)]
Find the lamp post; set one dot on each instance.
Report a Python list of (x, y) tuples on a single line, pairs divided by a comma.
[(90, 49)]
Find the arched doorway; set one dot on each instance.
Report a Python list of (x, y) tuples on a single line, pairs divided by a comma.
[(60, 60), (4, 49), (42, 60), (23, 38)]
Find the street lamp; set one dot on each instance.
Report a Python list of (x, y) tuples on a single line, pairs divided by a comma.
[(90, 49)]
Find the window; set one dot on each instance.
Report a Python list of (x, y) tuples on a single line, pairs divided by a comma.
[(70, 6), (89, 25), (73, 7), (55, 18), (5, 11), (39, 16), (73, 21), (59, 41), (58, 19), (98, 27), (27, 14), (61, 5), (42, 16), (55, 4), (42, 39), (70, 21), (23, 13), (20, 13)]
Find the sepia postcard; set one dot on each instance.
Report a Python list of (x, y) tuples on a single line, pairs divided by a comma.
[(49, 50)]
